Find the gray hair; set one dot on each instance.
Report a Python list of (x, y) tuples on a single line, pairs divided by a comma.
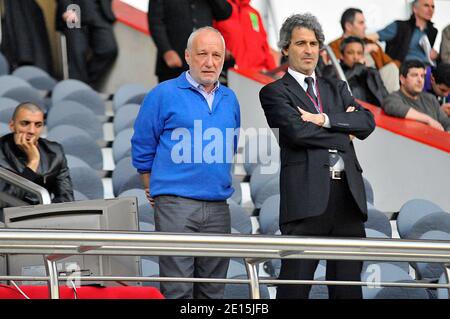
[(196, 32), (26, 106), (307, 21)]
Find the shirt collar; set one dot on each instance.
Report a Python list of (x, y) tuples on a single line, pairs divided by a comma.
[(199, 86), (300, 77)]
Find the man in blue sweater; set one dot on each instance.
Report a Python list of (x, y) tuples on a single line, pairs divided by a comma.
[(183, 144)]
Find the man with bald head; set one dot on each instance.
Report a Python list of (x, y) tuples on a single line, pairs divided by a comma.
[(41, 161), (183, 150)]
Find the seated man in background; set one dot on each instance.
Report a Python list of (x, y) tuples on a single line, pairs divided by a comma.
[(353, 24), (365, 82), (411, 39), (411, 102), (437, 82), (41, 161), (246, 38)]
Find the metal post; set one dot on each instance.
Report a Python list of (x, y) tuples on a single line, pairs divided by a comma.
[(53, 278), (253, 277)]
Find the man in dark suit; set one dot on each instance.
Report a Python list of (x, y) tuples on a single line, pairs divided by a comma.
[(91, 44), (321, 186), (172, 21)]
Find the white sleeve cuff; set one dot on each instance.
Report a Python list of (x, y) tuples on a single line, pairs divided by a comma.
[(326, 124)]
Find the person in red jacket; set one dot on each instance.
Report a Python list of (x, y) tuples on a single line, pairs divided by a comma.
[(246, 38)]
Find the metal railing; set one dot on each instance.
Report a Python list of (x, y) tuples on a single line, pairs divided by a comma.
[(23, 183), (57, 244)]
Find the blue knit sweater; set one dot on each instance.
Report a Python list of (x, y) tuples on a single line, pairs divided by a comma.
[(187, 147)]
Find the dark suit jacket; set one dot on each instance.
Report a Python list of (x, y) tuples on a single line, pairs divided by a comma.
[(305, 177), (172, 21), (90, 11)]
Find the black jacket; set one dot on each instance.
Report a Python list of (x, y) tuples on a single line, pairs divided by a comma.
[(398, 47), (90, 9), (52, 175), (305, 176), (172, 21)]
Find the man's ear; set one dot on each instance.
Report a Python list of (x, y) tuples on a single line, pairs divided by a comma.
[(11, 126), (187, 56), (402, 79)]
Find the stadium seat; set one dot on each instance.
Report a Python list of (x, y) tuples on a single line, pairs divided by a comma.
[(78, 143), (369, 191), (7, 107), (129, 93), (89, 98), (378, 221), (240, 219), (4, 65), (27, 94), (74, 161), (76, 114), (37, 77), (122, 145), (388, 272), (79, 196), (86, 181), (237, 195), (254, 156), (125, 117), (66, 87), (442, 293), (269, 215), (150, 268), (9, 82), (4, 129), (263, 185), (412, 211), (125, 177)]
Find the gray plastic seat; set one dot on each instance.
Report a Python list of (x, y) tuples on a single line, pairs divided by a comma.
[(79, 196), (439, 221), (240, 219), (125, 117), (412, 211), (88, 98), (7, 107), (129, 93), (442, 293), (269, 215), (78, 143), (75, 114), (66, 87), (9, 82), (37, 77), (125, 177), (4, 129), (87, 182), (263, 185), (237, 195), (26, 94), (74, 161), (145, 210), (431, 271), (378, 221), (122, 145), (388, 272), (369, 190), (256, 154), (4, 65)]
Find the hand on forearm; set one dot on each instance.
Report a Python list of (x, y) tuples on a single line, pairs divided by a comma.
[(317, 119), (172, 59)]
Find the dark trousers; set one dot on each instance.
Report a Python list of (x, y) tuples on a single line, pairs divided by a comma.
[(91, 50), (342, 218), (182, 215)]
